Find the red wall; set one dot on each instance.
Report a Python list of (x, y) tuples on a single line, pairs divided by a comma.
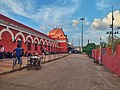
[(110, 61), (10, 45), (96, 54), (63, 47), (10, 42), (7, 42), (118, 51)]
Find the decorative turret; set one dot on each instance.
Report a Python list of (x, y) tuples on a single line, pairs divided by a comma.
[(59, 35)]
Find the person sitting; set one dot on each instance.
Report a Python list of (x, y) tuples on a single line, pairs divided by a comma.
[(35, 59), (35, 55)]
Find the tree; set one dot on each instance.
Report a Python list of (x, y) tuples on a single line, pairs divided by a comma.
[(88, 48), (116, 41)]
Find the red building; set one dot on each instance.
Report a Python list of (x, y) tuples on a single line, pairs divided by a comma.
[(58, 35), (13, 33)]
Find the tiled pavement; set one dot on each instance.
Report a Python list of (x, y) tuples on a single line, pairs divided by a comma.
[(6, 65)]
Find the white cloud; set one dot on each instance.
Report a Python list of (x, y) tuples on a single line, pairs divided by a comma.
[(75, 22), (46, 15), (102, 4), (104, 24), (93, 36), (86, 23), (47, 12), (20, 7)]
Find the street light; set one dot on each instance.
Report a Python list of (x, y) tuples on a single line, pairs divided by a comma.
[(82, 19), (112, 32), (100, 52), (112, 29)]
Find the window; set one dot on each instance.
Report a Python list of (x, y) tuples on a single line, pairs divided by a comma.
[(19, 42), (45, 46), (29, 45), (35, 46), (49, 48), (41, 46)]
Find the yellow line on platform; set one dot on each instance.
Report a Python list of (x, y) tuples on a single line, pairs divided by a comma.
[(5, 69)]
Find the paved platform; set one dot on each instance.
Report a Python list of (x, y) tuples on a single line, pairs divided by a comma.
[(6, 65)]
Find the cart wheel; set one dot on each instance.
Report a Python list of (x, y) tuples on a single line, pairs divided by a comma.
[(37, 68), (28, 67), (38, 65)]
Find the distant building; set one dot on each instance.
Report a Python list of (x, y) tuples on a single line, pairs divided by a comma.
[(58, 35)]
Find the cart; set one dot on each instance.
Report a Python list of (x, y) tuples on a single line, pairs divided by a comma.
[(33, 62)]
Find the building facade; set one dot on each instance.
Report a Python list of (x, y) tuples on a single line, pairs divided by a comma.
[(13, 33), (58, 35)]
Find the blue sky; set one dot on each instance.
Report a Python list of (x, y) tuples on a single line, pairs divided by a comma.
[(44, 15)]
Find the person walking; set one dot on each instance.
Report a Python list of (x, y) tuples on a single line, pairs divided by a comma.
[(43, 56), (2, 49), (18, 54)]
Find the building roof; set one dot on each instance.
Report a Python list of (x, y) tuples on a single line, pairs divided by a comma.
[(52, 32), (57, 33), (9, 20)]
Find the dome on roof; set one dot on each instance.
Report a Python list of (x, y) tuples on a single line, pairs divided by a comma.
[(57, 33), (52, 32)]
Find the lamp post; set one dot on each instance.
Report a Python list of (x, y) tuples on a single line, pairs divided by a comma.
[(82, 19), (112, 29), (112, 32), (100, 51), (79, 44)]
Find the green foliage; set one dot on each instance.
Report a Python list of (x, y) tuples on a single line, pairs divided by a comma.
[(88, 48), (97, 46), (116, 41)]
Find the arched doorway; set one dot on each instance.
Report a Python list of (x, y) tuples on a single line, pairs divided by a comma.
[(29, 45), (6, 41), (41, 47), (36, 46), (19, 42)]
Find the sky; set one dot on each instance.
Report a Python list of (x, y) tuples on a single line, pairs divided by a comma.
[(44, 15)]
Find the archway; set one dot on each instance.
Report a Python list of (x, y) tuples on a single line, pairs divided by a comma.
[(41, 45), (6, 41), (7, 30), (19, 42), (29, 44), (29, 36), (20, 34)]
